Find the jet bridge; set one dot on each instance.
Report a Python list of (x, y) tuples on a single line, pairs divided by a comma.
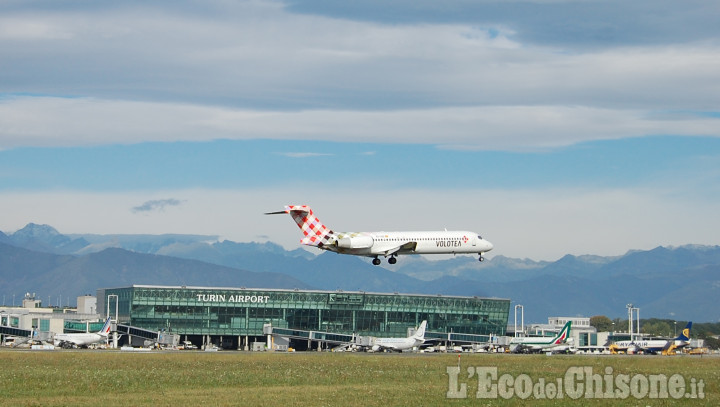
[(321, 337), (10, 331), (141, 335), (135, 335), (345, 339), (22, 335), (162, 338), (458, 337)]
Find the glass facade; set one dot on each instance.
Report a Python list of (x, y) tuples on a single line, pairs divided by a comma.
[(243, 312)]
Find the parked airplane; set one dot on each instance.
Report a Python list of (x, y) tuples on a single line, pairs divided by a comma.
[(654, 345), (400, 344), (82, 339), (541, 343), (375, 244)]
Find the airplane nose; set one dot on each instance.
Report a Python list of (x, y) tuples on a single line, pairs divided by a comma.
[(488, 246)]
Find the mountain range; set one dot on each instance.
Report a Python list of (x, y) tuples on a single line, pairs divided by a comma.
[(678, 283)]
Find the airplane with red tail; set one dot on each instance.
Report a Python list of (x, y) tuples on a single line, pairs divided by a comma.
[(386, 244)]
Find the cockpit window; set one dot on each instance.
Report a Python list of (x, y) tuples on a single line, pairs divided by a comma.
[(479, 237)]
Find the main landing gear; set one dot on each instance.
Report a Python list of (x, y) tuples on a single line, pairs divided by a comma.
[(392, 260)]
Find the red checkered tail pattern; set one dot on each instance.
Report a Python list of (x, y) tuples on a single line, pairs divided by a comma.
[(316, 234)]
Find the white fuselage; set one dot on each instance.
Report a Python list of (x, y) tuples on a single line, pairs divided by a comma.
[(79, 339), (387, 243), (650, 345), (534, 343), (397, 343)]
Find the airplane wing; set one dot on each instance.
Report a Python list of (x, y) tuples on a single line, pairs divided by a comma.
[(408, 247), (405, 248)]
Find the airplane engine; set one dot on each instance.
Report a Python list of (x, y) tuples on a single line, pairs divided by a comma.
[(356, 242)]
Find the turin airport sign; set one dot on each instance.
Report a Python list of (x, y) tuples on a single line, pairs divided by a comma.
[(262, 299)]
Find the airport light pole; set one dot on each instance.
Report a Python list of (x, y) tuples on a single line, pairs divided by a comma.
[(522, 318), (115, 337), (630, 326), (636, 312)]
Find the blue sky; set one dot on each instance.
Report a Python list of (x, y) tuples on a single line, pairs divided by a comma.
[(626, 163), (550, 127)]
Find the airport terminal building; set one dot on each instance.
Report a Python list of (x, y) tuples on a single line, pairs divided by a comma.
[(234, 317)]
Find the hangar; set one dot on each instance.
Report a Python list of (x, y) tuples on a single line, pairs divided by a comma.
[(232, 318)]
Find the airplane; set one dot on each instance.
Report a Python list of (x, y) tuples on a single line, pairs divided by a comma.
[(375, 244), (400, 344), (82, 339), (539, 343), (654, 345)]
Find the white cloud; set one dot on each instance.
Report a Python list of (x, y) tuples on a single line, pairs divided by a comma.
[(73, 122), (156, 205), (141, 73), (260, 54), (304, 154), (31, 29)]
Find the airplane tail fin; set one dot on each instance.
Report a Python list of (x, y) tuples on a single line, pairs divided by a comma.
[(420, 333), (316, 234), (564, 334), (105, 331), (685, 334)]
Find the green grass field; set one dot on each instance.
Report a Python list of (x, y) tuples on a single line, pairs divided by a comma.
[(108, 378)]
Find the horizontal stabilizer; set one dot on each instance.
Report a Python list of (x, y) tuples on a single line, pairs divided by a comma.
[(276, 213)]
